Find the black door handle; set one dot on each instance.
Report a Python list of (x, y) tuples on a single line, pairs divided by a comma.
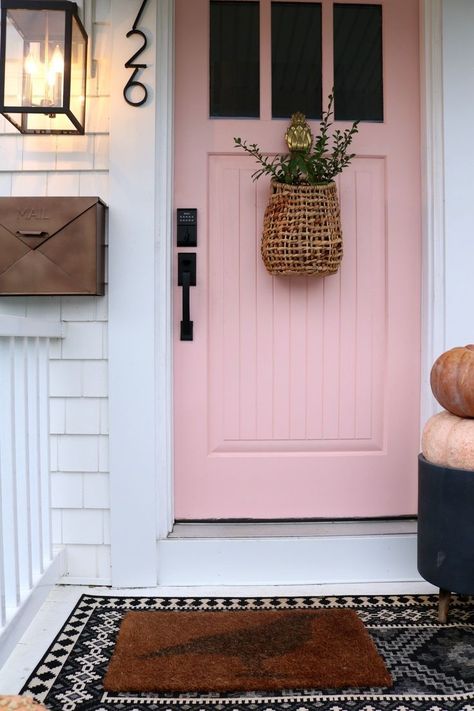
[(186, 279), (186, 323)]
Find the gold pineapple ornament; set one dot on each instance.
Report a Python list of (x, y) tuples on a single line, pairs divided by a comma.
[(298, 135), (301, 226)]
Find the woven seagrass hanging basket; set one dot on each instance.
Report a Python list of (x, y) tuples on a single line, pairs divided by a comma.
[(302, 230)]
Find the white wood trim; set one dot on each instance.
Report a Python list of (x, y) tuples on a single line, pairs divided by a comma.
[(336, 560), (25, 327), (433, 198), (164, 290), (458, 67), (132, 308), (294, 529), (415, 587), (87, 580)]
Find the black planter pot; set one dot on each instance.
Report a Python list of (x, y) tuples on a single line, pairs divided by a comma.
[(446, 528)]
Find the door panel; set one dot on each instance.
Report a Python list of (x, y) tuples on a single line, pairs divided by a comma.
[(272, 348), (298, 397)]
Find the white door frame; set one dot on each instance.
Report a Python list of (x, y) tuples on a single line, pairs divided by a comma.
[(139, 534), (433, 298)]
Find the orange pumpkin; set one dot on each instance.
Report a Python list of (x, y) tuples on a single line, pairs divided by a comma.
[(20, 703), (452, 381)]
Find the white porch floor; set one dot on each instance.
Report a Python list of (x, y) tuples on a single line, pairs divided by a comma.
[(62, 599)]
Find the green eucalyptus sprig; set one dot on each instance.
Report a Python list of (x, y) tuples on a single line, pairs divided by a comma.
[(319, 164)]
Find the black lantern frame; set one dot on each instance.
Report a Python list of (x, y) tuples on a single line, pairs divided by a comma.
[(71, 17)]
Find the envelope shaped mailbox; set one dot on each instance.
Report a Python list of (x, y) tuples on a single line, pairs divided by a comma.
[(52, 245)]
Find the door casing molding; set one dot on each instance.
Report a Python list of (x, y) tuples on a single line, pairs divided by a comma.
[(164, 265), (433, 299), (433, 330)]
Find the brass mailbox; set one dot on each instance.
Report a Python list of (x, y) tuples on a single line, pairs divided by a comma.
[(52, 246)]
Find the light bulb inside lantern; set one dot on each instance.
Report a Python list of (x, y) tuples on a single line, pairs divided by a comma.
[(54, 78), (57, 61), (32, 69), (31, 65)]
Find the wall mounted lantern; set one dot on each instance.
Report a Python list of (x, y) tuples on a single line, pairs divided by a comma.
[(43, 55)]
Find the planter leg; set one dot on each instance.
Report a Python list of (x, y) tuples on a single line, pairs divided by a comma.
[(443, 605)]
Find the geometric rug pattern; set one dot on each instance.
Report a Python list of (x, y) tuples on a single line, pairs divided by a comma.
[(432, 665)]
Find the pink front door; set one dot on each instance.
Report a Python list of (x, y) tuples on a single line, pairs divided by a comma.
[(298, 397)]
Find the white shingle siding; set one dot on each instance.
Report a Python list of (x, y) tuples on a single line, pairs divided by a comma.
[(67, 491), (82, 526), (65, 378), (57, 415), (94, 379), (78, 453), (82, 416), (73, 166), (84, 341), (96, 491)]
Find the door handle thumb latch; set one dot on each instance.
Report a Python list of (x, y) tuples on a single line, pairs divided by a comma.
[(186, 279)]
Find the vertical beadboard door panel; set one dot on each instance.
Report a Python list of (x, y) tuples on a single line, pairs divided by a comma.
[(307, 404), (298, 397)]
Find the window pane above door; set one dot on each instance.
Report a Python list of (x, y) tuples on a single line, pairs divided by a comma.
[(234, 59), (296, 59), (358, 74)]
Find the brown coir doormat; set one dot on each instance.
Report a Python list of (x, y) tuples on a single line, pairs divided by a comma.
[(244, 651)]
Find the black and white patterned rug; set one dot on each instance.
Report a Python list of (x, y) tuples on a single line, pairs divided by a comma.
[(432, 665)]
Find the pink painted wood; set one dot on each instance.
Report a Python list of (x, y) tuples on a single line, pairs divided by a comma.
[(299, 397)]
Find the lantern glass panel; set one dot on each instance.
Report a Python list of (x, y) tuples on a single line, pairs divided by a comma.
[(35, 58), (78, 72)]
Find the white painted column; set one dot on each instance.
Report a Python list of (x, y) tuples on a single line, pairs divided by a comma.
[(458, 67), (132, 288), (164, 275)]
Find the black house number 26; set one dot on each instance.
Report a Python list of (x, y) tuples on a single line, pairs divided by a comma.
[(132, 64)]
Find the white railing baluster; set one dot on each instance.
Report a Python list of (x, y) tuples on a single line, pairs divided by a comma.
[(36, 533), (43, 434), (26, 552), (9, 521), (21, 469), (3, 611)]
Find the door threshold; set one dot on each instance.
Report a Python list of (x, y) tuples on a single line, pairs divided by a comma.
[(293, 529), (289, 553)]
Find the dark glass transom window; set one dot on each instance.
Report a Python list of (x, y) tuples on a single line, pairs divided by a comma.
[(234, 59), (296, 59), (358, 72)]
